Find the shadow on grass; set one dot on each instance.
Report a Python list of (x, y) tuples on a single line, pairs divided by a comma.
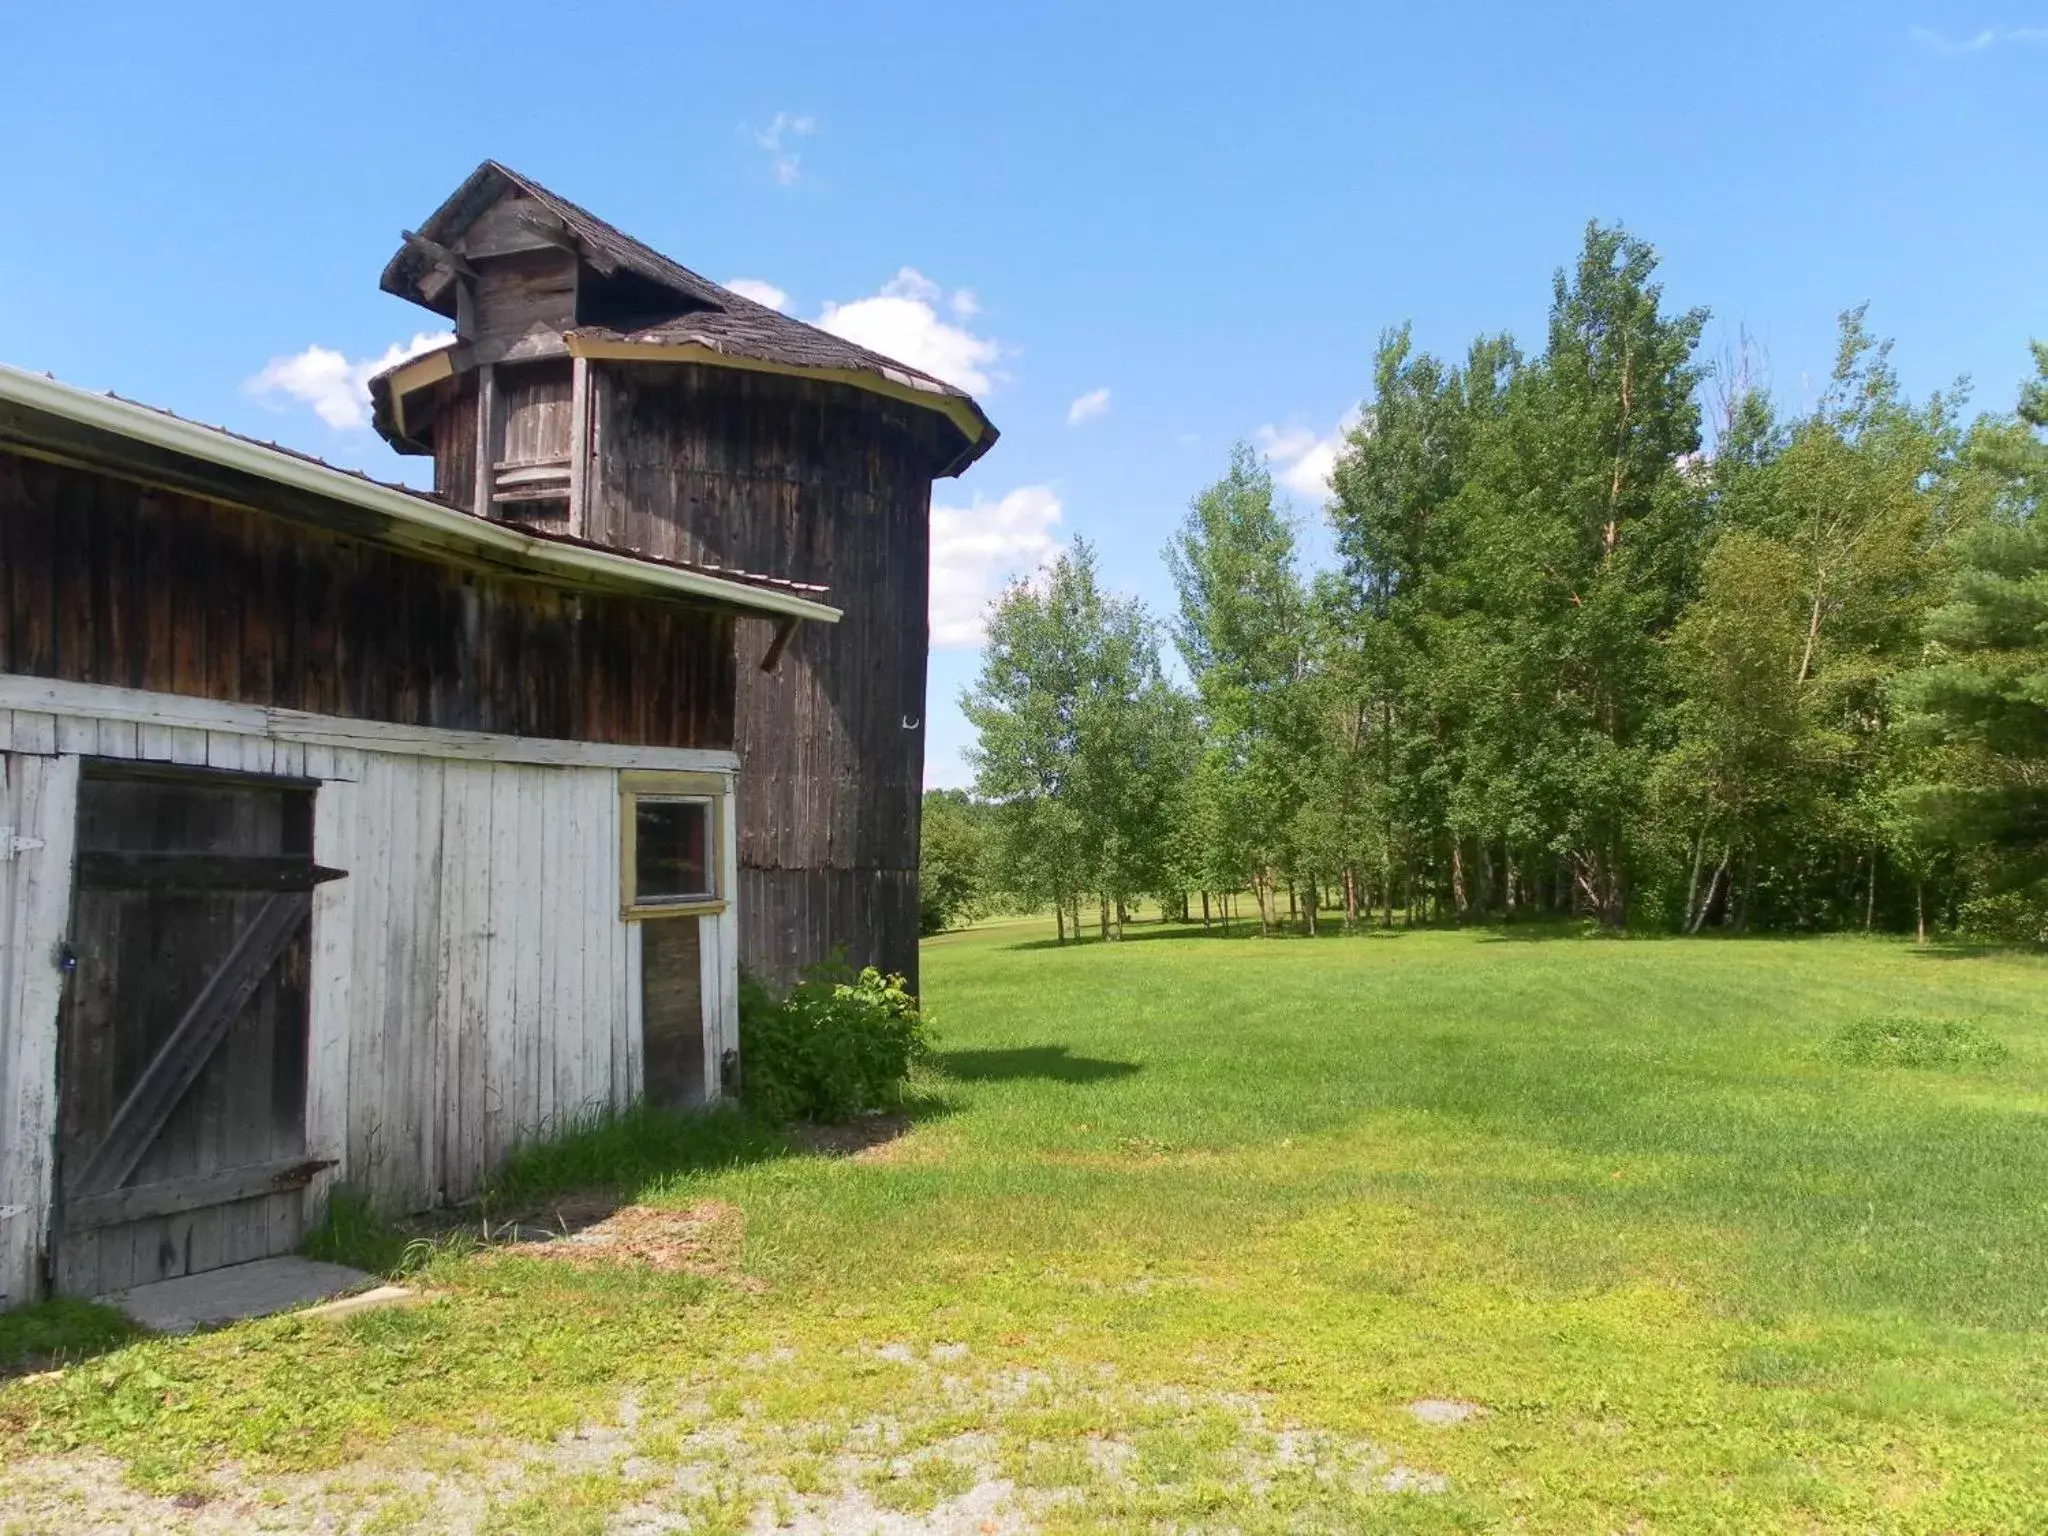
[(1052, 1063), (60, 1332), (596, 1165), (1148, 933), (1957, 949)]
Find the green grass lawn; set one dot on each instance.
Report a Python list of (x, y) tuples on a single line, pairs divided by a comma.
[(1183, 1227)]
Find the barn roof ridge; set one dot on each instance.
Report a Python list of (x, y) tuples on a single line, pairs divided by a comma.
[(726, 327), (438, 521)]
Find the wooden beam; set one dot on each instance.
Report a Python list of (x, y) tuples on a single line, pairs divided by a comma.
[(579, 446), (216, 1187), (191, 1045), (438, 254), (202, 871), (783, 631), (486, 443)]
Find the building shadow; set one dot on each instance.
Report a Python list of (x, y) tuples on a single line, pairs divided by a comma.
[(60, 1332), (1051, 1063)]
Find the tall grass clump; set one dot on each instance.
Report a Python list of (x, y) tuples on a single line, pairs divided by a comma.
[(630, 1150), (1903, 1041)]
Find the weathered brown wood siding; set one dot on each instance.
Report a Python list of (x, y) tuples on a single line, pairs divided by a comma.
[(454, 428), (106, 581), (819, 482)]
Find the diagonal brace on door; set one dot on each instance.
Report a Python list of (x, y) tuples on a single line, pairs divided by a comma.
[(191, 1045)]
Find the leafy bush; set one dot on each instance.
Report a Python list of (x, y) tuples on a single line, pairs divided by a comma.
[(831, 1049), (1910, 1042), (2008, 917)]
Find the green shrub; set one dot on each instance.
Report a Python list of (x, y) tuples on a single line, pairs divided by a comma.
[(831, 1049), (2009, 917), (1909, 1042)]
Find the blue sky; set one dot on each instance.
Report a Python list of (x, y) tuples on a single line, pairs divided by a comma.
[(1207, 212)]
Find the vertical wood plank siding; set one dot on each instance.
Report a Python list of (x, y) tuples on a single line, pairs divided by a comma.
[(38, 804), (104, 581), (818, 482), (454, 425), (485, 996)]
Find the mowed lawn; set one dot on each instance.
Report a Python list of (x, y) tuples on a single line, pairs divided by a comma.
[(1184, 1231)]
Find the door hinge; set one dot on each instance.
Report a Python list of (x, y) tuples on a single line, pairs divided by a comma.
[(8, 1212), (10, 845)]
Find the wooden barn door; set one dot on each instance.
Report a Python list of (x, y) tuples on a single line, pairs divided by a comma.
[(181, 1141)]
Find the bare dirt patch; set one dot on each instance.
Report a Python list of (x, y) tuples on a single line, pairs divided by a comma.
[(700, 1239), (871, 1138)]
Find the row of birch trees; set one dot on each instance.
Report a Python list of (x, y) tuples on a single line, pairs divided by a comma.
[(1607, 635)]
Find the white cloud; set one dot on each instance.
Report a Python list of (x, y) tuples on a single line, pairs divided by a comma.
[(1990, 37), (783, 157), (1301, 460), (337, 389), (1094, 403), (902, 321), (760, 291), (976, 548)]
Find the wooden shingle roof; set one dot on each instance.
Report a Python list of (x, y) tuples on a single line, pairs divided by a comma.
[(712, 322)]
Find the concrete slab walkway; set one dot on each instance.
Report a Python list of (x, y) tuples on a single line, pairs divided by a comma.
[(229, 1295)]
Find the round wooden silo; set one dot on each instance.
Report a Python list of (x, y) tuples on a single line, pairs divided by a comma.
[(813, 482)]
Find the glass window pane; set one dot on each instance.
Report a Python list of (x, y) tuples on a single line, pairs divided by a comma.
[(671, 849)]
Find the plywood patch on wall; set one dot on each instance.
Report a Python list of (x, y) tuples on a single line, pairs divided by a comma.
[(673, 1020)]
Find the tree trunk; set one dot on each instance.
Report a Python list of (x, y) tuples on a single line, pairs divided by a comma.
[(1314, 898), (1059, 917), (1919, 911), (1698, 919), (1870, 895), (1458, 902), (1102, 916), (1350, 899), (1293, 907), (1692, 884), (1205, 911)]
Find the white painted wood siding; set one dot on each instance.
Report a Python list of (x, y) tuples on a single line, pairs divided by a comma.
[(38, 822), (473, 984)]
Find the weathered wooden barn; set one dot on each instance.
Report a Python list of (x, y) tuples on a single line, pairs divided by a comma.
[(599, 389), (345, 834)]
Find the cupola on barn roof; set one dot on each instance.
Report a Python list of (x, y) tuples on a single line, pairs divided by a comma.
[(631, 304)]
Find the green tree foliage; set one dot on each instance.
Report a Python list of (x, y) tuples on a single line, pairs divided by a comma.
[(1583, 651), (1243, 633), (952, 877), (1083, 749), (1985, 689)]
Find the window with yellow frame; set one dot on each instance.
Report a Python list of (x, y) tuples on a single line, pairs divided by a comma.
[(671, 835)]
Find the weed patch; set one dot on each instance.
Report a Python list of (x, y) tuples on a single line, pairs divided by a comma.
[(1904, 1041)]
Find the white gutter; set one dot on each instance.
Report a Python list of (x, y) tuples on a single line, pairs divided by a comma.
[(432, 525)]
